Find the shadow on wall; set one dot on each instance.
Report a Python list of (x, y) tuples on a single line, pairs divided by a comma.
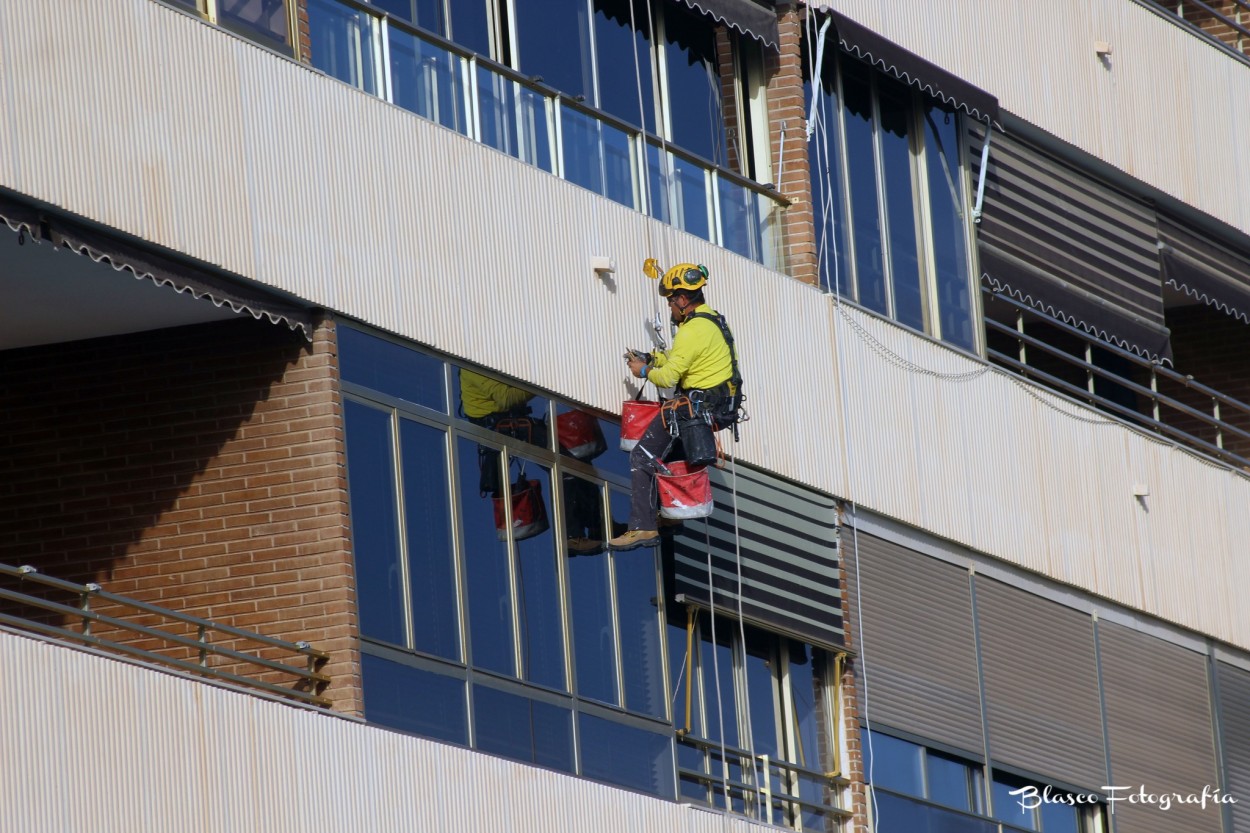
[(148, 462)]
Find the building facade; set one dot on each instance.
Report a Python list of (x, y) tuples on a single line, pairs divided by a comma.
[(313, 382)]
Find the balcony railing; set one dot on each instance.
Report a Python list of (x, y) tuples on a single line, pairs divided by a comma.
[(522, 117), (88, 615), (758, 786), (1226, 22), (1142, 392)]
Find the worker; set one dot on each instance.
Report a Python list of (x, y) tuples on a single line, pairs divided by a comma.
[(506, 409), (702, 366)]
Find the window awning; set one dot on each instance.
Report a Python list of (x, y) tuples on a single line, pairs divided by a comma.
[(751, 19), (1010, 276), (1204, 270), (911, 69), (160, 269)]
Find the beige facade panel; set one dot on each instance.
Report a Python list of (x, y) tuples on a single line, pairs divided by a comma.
[(204, 144), (1108, 108), (91, 743)]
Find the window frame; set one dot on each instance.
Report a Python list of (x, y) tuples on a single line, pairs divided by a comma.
[(921, 213)]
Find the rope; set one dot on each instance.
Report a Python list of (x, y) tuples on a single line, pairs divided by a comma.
[(742, 635), (720, 703)]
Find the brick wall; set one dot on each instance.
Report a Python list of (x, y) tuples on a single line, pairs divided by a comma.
[(787, 125), (303, 40), (198, 468), (1212, 348), (854, 771), (1218, 21)]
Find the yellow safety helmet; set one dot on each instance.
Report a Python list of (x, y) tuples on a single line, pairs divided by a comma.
[(688, 276)]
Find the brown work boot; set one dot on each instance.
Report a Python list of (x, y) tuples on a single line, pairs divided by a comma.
[(635, 538)]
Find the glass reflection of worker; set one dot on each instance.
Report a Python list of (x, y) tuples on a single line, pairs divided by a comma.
[(700, 365), (501, 407), (504, 408)]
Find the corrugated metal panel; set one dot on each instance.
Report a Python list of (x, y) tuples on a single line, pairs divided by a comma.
[(918, 664), (1195, 152), (1159, 729), (96, 744), (784, 538), (1042, 705), (1234, 711), (1072, 248)]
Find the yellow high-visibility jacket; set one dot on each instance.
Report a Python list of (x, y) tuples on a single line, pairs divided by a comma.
[(698, 359), (480, 396)]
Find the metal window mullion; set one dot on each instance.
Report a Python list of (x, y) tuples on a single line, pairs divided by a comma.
[(514, 558), (618, 663), (789, 736), (712, 182), (976, 305), (386, 90), (844, 169), (405, 578), (458, 549), (923, 213), (883, 209), (475, 109), (557, 140), (560, 536)]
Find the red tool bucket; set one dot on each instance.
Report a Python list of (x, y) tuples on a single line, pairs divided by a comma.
[(635, 417), (686, 493)]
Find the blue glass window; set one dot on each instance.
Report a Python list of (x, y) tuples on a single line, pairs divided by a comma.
[(428, 14), (484, 535), (894, 763), (375, 529), (659, 189), (342, 42), (861, 153), (598, 156), (537, 577), (626, 756), (431, 559), (426, 80), (522, 729), (508, 410), (947, 217), (412, 700), (470, 25), (694, 91), (1059, 818), (268, 21), (1008, 807), (717, 674), (897, 813), (514, 119), (740, 221), (949, 782), (825, 160), (553, 41), (625, 65), (594, 643), (638, 598), (762, 695), (900, 202), (387, 367), (693, 198)]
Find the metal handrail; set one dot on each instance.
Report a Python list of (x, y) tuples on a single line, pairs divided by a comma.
[(780, 797), (1222, 403), (537, 84), (1162, 370), (308, 685), (1223, 18)]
